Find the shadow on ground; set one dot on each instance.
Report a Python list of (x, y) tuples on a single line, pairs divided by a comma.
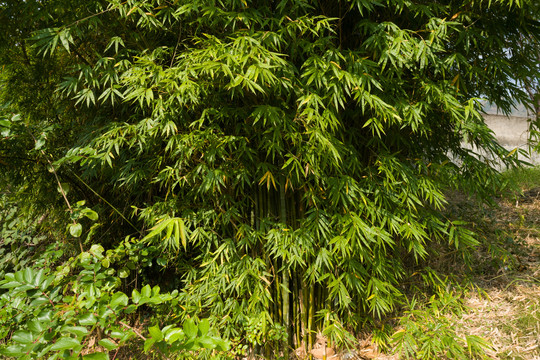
[(505, 309)]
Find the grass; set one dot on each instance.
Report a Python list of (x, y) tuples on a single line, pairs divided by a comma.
[(526, 178), (507, 311), (500, 287)]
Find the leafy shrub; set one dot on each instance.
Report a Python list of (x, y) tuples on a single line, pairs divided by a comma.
[(57, 314)]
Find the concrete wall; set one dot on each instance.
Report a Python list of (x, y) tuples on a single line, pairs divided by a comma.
[(512, 132)]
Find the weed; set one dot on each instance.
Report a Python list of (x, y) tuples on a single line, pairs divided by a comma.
[(525, 178)]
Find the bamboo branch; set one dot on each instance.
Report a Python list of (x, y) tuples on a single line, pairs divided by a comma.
[(58, 182)]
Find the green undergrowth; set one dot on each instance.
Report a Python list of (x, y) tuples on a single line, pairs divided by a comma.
[(427, 326), (500, 272), (57, 306), (526, 178), (58, 313), (427, 330), (60, 305)]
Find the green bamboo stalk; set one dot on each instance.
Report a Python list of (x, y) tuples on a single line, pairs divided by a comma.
[(262, 207), (293, 309), (311, 302), (270, 203), (279, 304), (319, 303), (327, 319), (256, 211), (286, 295), (303, 300), (297, 303), (286, 319)]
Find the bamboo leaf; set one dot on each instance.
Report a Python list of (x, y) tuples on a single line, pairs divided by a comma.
[(157, 229)]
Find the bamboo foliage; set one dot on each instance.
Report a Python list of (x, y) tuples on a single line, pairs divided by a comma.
[(295, 153)]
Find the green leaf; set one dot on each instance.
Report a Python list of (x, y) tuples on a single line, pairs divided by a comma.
[(89, 213), (207, 342), (191, 344), (176, 237), (23, 337), (146, 291), (108, 344), (45, 316), (13, 351), (10, 285), (181, 229), (96, 356), (221, 344), (190, 329), (204, 327), (65, 38), (87, 319), (36, 326), (39, 144), (174, 227), (175, 335), (119, 298), (123, 273), (135, 296), (130, 309), (75, 330), (48, 281), (75, 230), (156, 333), (96, 250), (212, 343), (157, 229), (65, 343), (28, 275), (115, 41), (39, 301), (117, 334), (148, 344)]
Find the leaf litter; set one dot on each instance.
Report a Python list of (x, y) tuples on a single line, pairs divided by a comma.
[(506, 308)]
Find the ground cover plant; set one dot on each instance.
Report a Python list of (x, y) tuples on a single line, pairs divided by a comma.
[(279, 168), (505, 309)]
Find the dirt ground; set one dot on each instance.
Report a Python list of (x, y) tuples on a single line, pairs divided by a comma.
[(503, 306), (506, 309)]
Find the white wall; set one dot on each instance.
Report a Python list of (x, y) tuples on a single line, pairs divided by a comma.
[(512, 132)]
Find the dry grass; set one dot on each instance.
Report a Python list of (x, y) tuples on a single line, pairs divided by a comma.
[(509, 319), (506, 309)]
